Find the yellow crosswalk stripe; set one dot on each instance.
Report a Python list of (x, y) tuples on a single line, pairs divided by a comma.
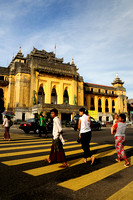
[(36, 146), (32, 151), (39, 158), (37, 142), (55, 167), (24, 143), (23, 140), (93, 177), (125, 193)]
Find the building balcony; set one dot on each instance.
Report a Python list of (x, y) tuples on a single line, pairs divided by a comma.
[(64, 108), (100, 94)]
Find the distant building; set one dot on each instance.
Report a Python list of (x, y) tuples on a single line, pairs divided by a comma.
[(39, 82)]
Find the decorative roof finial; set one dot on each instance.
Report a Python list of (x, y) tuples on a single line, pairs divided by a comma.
[(117, 76), (20, 49), (72, 61)]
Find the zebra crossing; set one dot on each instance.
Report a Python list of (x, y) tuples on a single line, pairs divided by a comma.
[(33, 146)]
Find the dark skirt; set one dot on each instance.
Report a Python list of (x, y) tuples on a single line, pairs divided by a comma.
[(85, 141), (57, 153), (6, 134)]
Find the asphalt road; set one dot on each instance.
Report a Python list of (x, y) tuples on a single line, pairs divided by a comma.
[(25, 175)]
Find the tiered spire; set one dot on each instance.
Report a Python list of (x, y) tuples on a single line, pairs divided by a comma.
[(117, 80), (19, 54)]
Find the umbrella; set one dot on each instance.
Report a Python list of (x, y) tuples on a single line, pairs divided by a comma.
[(8, 113)]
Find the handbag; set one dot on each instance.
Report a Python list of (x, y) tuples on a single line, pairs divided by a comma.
[(79, 138)]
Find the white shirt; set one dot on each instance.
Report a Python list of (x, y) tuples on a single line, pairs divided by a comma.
[(85, 124), (121, 129), (6, 122), (57, 128)]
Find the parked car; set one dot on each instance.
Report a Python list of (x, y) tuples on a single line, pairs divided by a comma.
[(34, 125), (30, 125), (109, 123), (102, 123), (94, 124), (129, 123), (18, 121)]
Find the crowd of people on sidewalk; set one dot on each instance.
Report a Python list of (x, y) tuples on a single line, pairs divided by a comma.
[(57, 153)]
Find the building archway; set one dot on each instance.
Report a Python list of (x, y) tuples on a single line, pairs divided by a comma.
[(99, 105), (54, 96), (92, 104), (113, 106), (106, 106), (1, 103), (65, 97), (41, 95)]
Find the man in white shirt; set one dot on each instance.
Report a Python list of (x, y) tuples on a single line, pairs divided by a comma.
[(57, 153)]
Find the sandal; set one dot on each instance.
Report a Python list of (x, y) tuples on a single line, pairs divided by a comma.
[(85, 161), (126, 164), (117, 160), (48, 160), (92, 160), (63, 166)]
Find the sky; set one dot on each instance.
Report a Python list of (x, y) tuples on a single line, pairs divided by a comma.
[(97, 34)]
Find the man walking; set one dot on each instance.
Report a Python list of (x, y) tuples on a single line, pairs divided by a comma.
[(42, 126)]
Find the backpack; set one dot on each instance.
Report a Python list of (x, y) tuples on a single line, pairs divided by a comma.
[(10, 123)]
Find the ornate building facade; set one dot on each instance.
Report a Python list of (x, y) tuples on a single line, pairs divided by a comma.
[(39, 82)]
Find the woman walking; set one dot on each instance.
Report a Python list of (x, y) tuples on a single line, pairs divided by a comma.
[(6, 124), (57, 153), (119, 130), (85, 131)]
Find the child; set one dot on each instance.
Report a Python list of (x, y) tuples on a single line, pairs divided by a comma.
[(115, 119), (114, 122), (57, 152), (120, 129)]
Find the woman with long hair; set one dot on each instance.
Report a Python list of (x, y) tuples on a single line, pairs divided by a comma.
[(6, 124), (84, 127)]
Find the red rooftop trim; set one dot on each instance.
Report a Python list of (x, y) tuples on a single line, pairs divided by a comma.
[(98, 85)]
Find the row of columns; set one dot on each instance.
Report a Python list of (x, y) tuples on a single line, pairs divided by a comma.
[(59, 91)]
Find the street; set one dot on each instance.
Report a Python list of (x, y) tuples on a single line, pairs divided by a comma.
[(25, 175)]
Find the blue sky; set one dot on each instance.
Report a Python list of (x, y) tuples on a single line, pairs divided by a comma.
[(98, 34)]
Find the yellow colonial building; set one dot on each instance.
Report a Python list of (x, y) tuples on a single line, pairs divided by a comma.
[(40, 81)]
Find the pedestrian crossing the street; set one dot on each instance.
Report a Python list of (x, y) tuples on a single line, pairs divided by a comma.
[(11, 152)]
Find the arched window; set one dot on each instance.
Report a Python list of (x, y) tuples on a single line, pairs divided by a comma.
[(99, 106), (92, 90), (106, 106), (85, 102), (1, 93), (65, 97), (41, 95), (113, 103), (54, 96), (113, 106), (92, 104)]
